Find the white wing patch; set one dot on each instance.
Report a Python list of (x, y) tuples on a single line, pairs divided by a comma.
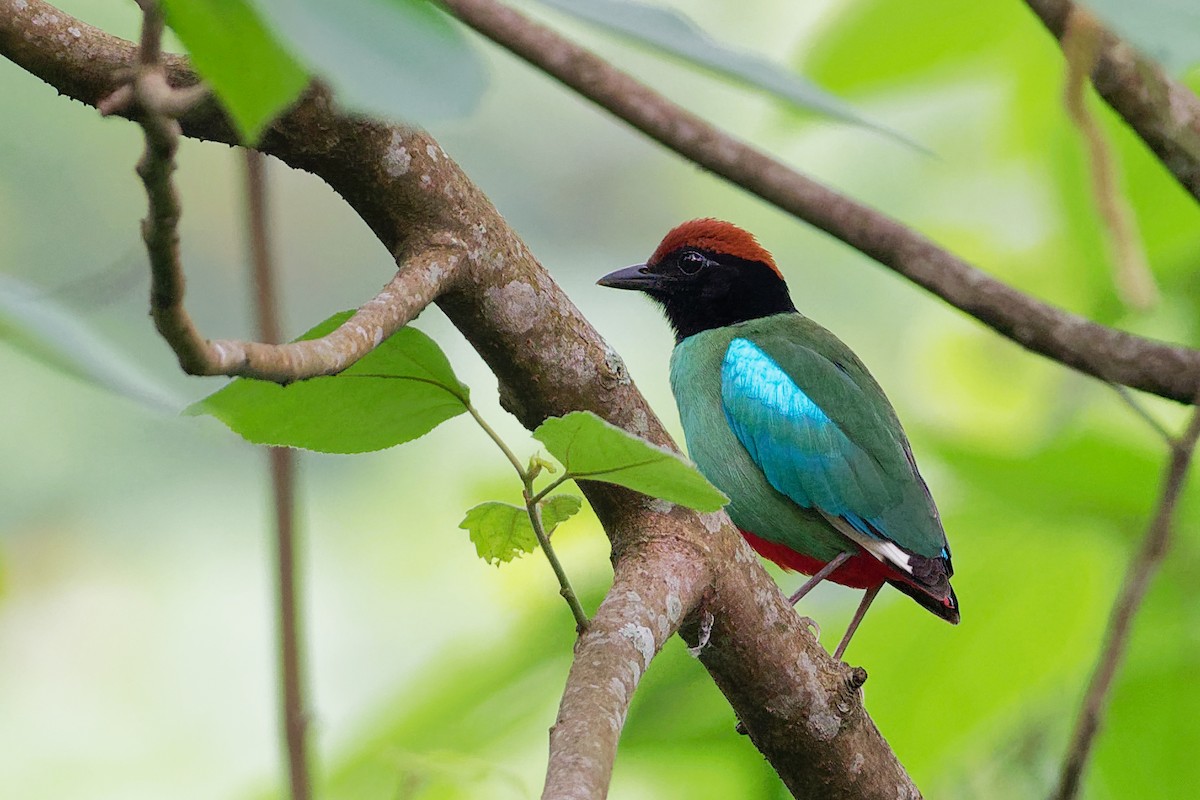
[(880, 548)]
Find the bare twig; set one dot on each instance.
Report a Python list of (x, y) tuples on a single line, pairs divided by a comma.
[(1134, 281), (1138, 408), (294, 713), (1164, 112), (266, 296), (1094, 349), (1141, 571), (155, 105), (150, 45)]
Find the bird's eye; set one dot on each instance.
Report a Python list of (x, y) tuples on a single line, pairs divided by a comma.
[(691, 262)]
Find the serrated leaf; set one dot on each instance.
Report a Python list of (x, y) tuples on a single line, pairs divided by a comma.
[(400, 391), (236, 53), (499, 531), (592, 449), (557, 509), (42, 329), (402, 59), (1166, 30), (668, 31)]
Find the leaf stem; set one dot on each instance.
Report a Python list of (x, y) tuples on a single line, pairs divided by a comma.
[(532, 499), (495, 437), (568, 593), (550, 487)]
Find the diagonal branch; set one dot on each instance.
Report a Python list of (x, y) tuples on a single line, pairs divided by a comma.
[(1106, 353), (1141, 571), (1162, 111), (651, 589)]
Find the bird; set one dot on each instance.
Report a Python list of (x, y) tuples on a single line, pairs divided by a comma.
[(780, 415)]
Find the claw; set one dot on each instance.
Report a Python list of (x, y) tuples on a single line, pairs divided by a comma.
[(812, 625)]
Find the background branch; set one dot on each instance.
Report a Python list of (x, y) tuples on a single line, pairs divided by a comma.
[(154, 104), (1134, 281), (1106, 353), (293, 706), (1162, 111), (1141, 571)]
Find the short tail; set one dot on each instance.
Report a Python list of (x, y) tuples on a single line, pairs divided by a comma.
[(946, 608), (929, 585)]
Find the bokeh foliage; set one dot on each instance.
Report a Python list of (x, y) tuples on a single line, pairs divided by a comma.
[(134, 614)]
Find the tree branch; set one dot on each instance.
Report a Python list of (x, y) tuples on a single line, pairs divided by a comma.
[(155, 105), (1106, 353), (1141, 571), (651, 590), (1163, 112), (293, 711), (548, 361), (814, 699)]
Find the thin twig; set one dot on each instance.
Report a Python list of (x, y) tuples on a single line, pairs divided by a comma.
[(294, 713), (155, 105), (533, 509), (495, 437), (150, 46), (1134, 281), (1138, 408), (550, 487), (564, 583), (1141, 571), (293, 705)]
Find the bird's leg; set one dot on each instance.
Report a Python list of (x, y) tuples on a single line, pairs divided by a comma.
[(821, 575), (858, 617)]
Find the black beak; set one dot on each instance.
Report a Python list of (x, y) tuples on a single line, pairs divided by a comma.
[(635, 277)]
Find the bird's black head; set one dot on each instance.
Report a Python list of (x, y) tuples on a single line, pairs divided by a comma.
[(708, 274)]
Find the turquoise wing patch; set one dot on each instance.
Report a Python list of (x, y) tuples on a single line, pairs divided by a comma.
[(803, 453)]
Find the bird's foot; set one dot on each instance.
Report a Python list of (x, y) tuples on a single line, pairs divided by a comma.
[(812, 625)]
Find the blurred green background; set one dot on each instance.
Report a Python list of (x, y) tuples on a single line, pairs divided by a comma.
[(136, 621)]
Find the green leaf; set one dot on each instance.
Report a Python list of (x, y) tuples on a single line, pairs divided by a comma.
[(402, 59), (557, 509), (400, 391), (1166, 30), (592, 449), (668, 31), (254, 77), (501, 532), (39, 327)]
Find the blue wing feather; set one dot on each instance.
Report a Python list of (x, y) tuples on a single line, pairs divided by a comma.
[(802, 451)]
